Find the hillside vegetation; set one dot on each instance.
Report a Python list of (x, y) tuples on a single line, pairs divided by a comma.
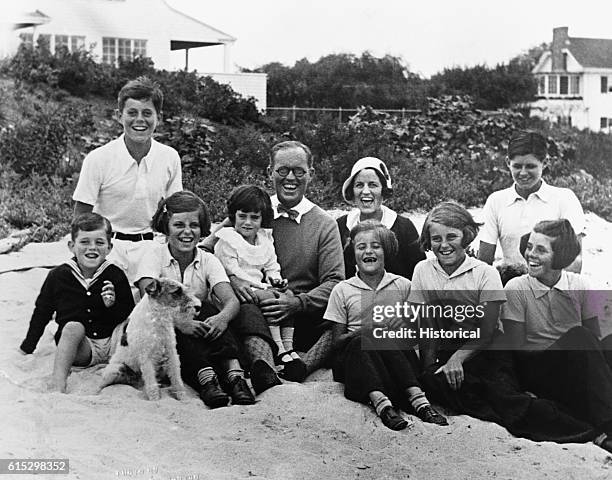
[(56, 108)]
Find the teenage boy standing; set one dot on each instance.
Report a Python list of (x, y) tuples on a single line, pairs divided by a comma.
[(125, 179)]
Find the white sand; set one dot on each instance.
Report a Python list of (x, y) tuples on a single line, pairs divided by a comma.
[(294, 432)]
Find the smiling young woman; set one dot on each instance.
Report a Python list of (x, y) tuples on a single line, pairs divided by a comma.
[(366, 189), (551, 318)]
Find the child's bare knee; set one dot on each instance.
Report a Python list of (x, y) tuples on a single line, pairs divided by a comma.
[(74, 330)]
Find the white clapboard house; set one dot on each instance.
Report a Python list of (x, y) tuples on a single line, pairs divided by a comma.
[(116, 29), (575, 82)]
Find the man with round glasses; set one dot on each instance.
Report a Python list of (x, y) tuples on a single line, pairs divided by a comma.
[(307, 243)]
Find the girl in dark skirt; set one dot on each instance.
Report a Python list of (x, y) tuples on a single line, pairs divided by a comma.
[(375, 372), (476, 376), (551, 318), (205, 345)]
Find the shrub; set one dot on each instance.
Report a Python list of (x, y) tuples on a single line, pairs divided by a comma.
[(80, 75), (40, 203), (48, 139), (213, 184)]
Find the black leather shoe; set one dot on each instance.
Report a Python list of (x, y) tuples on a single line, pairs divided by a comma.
[(212, 395), (294, 371), (393, 420), (429, 415), (240, 392), (263, 376)]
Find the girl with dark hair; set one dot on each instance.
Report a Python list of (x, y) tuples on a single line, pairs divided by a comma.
[(373, 371), (204, 344), (510, 213), (246, 250), (552, 319), (366, 188)]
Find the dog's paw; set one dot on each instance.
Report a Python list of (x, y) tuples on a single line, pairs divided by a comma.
[(181, 395), (153, 393)]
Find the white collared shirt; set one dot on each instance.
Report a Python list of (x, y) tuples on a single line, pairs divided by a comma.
[(549, 312), (388, 217), (473, 283), (247, 261), (351, 301), (302, 208), (200, 276), (124, 191), (507, 216)]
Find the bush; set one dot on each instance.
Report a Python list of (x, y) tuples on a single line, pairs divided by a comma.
[(48, 139), (42, 204), (80, 75), (215, 182), (594, 195)]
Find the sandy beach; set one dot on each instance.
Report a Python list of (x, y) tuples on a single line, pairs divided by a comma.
[(295, 431)]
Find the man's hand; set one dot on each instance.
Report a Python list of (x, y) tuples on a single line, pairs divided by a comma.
[(243, 290), (280, 307), (108, 294)]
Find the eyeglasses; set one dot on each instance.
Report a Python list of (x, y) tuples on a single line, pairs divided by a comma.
[(299, 172)]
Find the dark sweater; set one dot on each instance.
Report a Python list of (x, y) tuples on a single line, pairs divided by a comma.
[(408, 255), (310, 256), (71, 301)]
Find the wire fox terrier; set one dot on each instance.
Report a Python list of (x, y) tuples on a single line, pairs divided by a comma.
[(148, 344)]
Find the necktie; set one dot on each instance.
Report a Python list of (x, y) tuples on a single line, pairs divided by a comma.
[(287, 212)]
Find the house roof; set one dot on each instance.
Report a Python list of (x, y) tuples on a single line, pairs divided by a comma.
[(591, 52), (187, 29), (115, 18), (19, 20)]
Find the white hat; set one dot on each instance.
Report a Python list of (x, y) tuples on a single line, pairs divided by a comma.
[(367, 162)]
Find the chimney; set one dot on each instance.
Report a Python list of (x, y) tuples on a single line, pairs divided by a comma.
[(560, 41)]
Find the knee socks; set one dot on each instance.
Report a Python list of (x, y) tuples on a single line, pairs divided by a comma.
[(205, 374), (417, 398), (379, 401)]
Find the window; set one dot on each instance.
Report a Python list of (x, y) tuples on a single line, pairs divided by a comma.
[(575, 85), (563, 84), (552, 84), (109, 47), (604, 84), (564, 66), (27, 39), (603, 122), (140, 48), (124, 48), (61, 41), (541, 85), (77, 43)]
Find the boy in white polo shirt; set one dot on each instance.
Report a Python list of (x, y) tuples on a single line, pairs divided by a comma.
[(510, 213), (125, 179)]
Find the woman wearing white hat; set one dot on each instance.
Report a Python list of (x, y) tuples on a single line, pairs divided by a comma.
[(366, 188)]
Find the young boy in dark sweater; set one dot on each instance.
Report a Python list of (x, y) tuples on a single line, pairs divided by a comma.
[(90, 298)]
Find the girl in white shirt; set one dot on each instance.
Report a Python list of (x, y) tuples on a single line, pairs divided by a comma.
[(246, 250)]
